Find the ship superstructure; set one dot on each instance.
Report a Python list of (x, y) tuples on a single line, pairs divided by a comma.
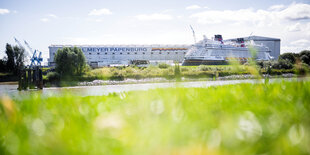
[(216, 51)]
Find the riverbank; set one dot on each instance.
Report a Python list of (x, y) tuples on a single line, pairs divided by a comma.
[(233, 119), (165, 73), (183, 79)]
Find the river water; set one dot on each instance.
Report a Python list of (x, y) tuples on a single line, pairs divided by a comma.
[(11, 89)]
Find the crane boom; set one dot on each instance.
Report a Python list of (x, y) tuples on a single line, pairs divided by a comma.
[(18, 42), (29, 47), (193, 33)]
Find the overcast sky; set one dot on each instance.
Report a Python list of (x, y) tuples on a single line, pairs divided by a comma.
[(42, 23)]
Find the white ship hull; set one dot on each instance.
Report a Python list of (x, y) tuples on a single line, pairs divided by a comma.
[(209, 52)]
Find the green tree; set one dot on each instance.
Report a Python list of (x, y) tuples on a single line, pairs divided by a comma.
[(19, 57), (291, 57), (15, 59), (81, 61), (3, 67), (70, 61), (305, 56), (10, 58)]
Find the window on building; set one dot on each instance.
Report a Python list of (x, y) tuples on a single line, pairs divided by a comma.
[(98, 53), (113, 53), (159, 52), (184, 52), (120, 53), (143, 53), (151, 52), (89, 53), (135, 52), (128, 53), (176, 52), (167, 52), (105, 53)]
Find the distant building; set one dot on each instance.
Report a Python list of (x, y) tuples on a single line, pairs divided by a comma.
[(109, 55), (272, 43)]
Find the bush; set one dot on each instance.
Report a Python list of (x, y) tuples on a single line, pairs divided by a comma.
[(53, 77), (301, 69), (184, 69), (163, 65), (203, 68), (282, 64)]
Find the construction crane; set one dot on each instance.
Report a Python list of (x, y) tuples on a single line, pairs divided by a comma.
[(27, 52), (34, 59), (31, 76), (39, 59), (193, 33), (34, 56)]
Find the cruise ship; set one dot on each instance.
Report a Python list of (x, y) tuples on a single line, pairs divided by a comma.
[(218, 52)]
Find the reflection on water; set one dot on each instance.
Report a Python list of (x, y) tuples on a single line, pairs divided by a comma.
[(11, 90)]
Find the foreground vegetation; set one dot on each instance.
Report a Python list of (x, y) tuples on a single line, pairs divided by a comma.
[(169, 72), (233, 119)]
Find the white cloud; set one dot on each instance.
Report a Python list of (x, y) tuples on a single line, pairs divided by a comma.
[(276, 7), (4, 11), (154, 16), (294, 28), (215, 16), (49, 17), (293, 12), (301, 42), (296, 12), (294, 48), (52, 15), (99, 12), (44, 20), (193, 7)]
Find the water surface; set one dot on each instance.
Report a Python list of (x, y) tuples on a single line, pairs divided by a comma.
[(11, 90)]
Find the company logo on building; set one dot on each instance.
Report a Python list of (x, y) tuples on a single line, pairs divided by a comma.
[(114, 49), (168, 49)]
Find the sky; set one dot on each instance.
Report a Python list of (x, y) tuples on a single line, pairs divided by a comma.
[(80, 22)]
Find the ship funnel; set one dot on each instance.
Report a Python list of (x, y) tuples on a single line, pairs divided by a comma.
[(241, 41), (218, 37)]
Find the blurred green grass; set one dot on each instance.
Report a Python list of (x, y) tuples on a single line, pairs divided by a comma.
[(232, 119)]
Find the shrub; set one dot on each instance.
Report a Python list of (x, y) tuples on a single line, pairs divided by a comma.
[(282, 64), (203, 68), (301, 69), (163, 65), (53, 77), (184, 69)]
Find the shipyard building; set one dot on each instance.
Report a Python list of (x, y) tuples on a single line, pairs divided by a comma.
[(272, 43), (108, 55)]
